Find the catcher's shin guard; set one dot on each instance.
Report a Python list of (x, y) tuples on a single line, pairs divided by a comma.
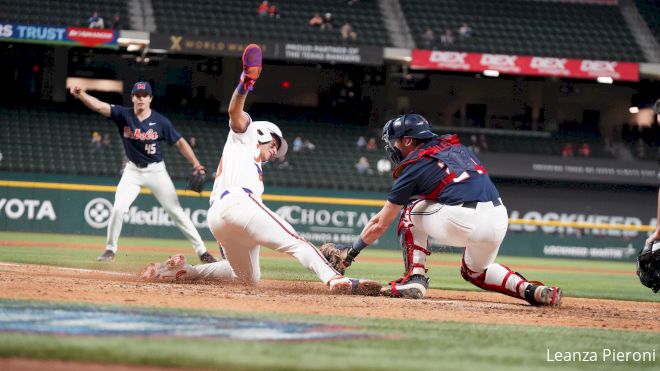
[(499, 278), (496, 278), (414, 258)]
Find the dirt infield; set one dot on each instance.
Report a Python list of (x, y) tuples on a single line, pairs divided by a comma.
[(34, 282)]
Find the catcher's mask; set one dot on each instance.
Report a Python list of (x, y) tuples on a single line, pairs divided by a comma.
[(648, 266), (409, 125), (264, 131)]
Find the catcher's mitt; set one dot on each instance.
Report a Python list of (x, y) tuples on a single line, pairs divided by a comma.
[(197, 179), (648, 266), (339, 256)]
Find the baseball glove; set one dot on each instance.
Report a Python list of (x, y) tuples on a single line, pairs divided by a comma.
[(197, 179), (338, 256), (648, 266)]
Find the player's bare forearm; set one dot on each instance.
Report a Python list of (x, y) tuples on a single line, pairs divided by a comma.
[(238, 118), (380, 222), (187, 152), (91, 102)]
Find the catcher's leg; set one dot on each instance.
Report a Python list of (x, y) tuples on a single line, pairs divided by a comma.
[(160, 183), (478, 266), (414, 242), (127, 191)]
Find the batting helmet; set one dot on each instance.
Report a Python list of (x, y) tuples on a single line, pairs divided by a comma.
[(409, 125), (648, 266), (264, 131)]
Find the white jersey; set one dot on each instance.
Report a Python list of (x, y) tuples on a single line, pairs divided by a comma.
[(240, 165)]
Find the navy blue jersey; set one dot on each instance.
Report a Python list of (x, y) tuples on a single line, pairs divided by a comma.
[(443, 170), (142, 140)]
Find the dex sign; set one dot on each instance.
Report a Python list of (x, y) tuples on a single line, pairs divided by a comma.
[(524, 65)]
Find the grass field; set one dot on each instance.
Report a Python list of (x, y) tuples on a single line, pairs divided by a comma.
[(400, 344)]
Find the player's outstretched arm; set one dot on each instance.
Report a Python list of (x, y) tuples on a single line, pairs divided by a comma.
[(380, 222), (91, 102), (187, 152)]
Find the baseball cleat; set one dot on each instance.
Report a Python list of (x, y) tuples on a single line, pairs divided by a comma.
[(207, 258), (414, 287), (252, 65), (108, 255), (547, 295), (150, 272), (173, 269), (354, 286)]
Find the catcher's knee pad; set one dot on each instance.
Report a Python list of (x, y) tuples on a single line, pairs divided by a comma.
[(414, 256)]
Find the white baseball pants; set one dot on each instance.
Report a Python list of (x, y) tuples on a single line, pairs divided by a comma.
[(480, 230), (155, 178), (241, 223)]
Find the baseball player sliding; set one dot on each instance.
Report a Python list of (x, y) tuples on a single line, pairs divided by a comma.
[(441, 190), (142, 131), (238, 218)]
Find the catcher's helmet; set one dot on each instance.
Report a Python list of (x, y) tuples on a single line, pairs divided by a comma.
[(409, 125), (648, 266)]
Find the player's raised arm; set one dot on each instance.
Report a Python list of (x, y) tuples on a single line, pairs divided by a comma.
[(238, 119), (252, 61), (91, 102)]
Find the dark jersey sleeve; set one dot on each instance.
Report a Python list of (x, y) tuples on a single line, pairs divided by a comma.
[(406, 185), (170, 134), (118, 115)]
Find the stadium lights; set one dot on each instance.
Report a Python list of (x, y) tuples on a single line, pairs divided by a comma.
[(491, 73), (605, 80), (633, 109)]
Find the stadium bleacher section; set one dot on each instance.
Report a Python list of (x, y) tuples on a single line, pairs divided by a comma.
[(62, 12), (650, 10), (238, 19), (27, 145), (552, 29)]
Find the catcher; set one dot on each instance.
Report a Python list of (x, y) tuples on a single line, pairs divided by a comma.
[(441, 190)]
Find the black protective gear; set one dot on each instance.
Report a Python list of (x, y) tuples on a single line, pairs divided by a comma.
[(648, 266)]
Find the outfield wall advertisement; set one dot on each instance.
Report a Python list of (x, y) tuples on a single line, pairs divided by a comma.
[(85, 209), (73, 36)]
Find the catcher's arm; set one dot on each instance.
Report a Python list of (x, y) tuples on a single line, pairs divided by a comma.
[(375, 228), (378, 224)]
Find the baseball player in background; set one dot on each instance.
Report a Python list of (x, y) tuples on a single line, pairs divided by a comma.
[(142, 131), (655, 236), (237, 216), (446, 194)]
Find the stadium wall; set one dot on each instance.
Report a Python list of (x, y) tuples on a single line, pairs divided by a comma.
[(582, 223)]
